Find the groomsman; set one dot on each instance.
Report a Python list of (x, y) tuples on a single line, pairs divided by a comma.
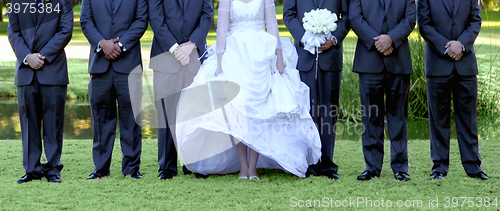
[(181, 28), (113, 29), (383, 62), (325, 85), (450, 28), (38, 40)]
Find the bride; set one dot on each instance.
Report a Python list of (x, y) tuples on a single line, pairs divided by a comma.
[(247, 108)]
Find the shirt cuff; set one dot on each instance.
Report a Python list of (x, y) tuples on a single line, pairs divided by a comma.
[(121, 46), (334, 40), (463, 48), (24, 61), (172, 49), (98, 47), (446, 51)]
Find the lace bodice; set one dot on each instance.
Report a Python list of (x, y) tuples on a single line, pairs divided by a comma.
[(236, 15), (243, 16)]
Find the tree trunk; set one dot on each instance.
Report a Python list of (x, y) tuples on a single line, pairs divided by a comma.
[(1, 15)]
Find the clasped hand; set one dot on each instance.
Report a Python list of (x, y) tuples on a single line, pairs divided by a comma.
[(383, 43), (326, 45), (454, 49), (35, 61), (111, 48), (183, 51)]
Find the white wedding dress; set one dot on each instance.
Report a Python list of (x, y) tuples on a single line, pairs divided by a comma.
[(250, 101)]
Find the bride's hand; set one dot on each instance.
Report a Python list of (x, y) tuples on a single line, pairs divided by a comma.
[(280, 66)]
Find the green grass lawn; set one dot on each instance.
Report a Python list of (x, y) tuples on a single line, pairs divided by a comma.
[(272, 192)]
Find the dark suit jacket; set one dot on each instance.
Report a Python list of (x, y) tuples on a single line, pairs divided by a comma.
[(126, 19), (48, 35), (439, 22), (331, 59), (367, 20), (175, 23)]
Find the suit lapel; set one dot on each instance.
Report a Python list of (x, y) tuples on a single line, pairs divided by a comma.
[(387, 5), (457, 3), (40, 18), (118, 3), (180, 4), (381, 2), (186, 2), (108, 6), (321, 3), (445, 2)]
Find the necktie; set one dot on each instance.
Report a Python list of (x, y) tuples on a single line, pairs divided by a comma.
[(317, 3)]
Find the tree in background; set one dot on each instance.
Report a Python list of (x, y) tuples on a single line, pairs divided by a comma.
[(491, 4)]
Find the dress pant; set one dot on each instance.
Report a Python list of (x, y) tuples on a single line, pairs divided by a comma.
[(105, 90), (39, 103), (167, 88), (324, 94), (373, 87), (439, 91)]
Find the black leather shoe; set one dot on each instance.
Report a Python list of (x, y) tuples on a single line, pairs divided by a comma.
[(403, 176), (367, 175), (27, 178), (165, 175), (186, 171), (200, 176), (136, 175), (480, 175), (437, 175), (53, 179), (331, 175), (95, 176)]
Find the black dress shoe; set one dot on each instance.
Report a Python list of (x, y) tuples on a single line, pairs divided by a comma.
[(27, 178), (53, 179), (165, 175), (95, 176), (331, 175), (200, 176), (186, 171), (367, 175), (403, 176), (437, 175), (480, 175), (314, 170), (136, 175)]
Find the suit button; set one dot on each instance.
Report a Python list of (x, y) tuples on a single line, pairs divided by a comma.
[(36, 34), (385, 18), (113, 23), (185, 21), (454, 23)]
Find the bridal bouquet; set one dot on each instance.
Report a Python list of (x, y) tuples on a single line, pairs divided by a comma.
[(319, 24)]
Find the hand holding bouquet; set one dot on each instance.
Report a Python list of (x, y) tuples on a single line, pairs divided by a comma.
[(319, 24)]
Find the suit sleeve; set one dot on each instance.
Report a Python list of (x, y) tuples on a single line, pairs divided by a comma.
[(365, 32), (160, 28), (16, 38), (199, 34), (87, 23), (138, 27), (470, 34), (403, 29), (343, 25), (292, 23), (61, 39), (434, 39)]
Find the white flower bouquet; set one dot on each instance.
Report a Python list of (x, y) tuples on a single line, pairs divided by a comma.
[(318, 23)]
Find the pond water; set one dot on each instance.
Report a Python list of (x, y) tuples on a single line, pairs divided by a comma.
[(78, 124)]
